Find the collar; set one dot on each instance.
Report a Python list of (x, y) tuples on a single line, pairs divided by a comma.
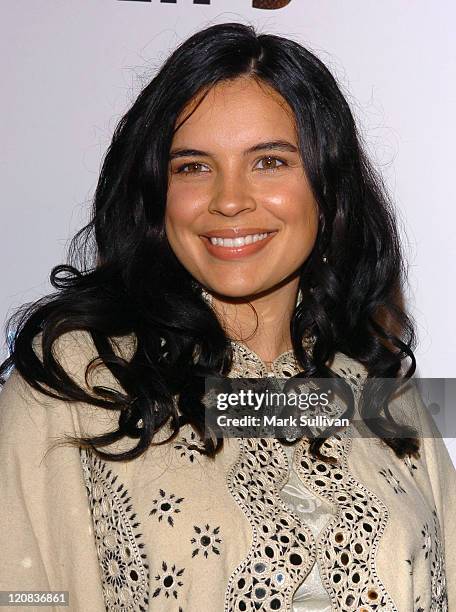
[(247, 364)]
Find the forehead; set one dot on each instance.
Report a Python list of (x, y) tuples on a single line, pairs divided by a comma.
[(240, 111)]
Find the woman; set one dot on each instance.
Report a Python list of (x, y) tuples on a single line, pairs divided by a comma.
[(239, 230)]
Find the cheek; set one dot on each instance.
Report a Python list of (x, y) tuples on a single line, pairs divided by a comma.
[(307, 216), (182, 208), (295, 205)]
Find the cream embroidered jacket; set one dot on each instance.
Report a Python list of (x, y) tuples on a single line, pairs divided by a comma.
[(175, 531)]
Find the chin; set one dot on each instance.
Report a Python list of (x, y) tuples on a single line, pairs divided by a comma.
[(236, 292)]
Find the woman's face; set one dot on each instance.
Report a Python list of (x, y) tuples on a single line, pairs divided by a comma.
[(240, 214)]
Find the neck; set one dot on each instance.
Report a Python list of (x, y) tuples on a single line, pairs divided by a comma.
[(261, 322)]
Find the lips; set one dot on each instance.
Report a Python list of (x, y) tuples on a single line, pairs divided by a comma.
[(257, 239), (236, 232)]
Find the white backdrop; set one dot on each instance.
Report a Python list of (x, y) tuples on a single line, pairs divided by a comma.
[(70, 70)]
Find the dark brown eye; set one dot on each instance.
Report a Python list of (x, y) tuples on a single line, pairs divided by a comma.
[(192, 168), (270, 163)]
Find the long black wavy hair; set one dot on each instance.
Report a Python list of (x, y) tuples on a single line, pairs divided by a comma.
[(123, 278)]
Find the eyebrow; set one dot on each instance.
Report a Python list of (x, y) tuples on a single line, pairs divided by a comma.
[(271, 145)]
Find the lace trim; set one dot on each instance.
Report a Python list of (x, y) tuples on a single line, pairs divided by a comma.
[(347, 546), (283, 549), (439, 595), (124, 570), (247, 364)]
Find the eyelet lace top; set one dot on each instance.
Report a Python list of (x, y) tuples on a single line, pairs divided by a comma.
[(263, 527)]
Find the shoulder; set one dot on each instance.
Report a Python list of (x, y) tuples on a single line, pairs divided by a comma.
[(78, 345), (406, 405), (25, 411), (349, 368), (74, 351), (341, 359)]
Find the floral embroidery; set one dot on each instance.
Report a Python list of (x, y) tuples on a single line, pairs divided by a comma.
[(169, 581), (165, 506), (392, 480), (206, 540), (432, 547), (125, 572), (185, 443)]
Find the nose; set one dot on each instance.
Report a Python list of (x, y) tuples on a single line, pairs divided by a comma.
[(232, 195)]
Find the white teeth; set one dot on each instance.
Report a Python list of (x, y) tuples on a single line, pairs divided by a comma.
[(237, 242)]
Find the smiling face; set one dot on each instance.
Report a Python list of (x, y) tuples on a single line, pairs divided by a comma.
[(240, 214)]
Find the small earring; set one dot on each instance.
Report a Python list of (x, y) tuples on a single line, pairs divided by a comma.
[(324, 259), (207, 296), (299, 298)]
